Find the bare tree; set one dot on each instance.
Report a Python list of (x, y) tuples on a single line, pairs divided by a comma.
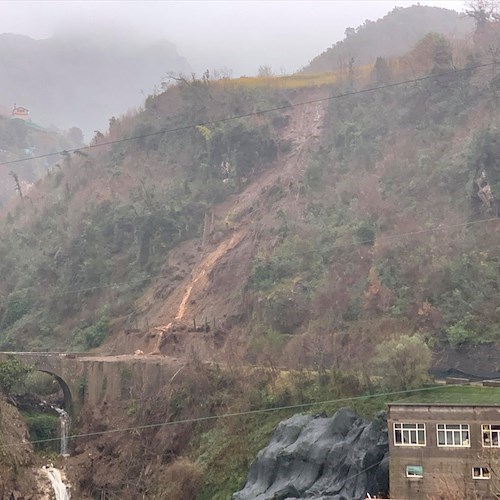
[(17, 184), (265, 72), (483, 12)]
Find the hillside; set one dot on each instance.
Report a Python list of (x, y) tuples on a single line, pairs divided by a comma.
[(312, 223), (391, 36), (15, 463), (72, 81), (282, 238), (24, 139)]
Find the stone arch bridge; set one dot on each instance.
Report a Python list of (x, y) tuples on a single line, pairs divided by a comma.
[(88, 379)]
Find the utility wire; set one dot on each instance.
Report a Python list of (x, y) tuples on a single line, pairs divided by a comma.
[(146, 278), (213, 122), (238, 262), (229, 415), (254, 113)]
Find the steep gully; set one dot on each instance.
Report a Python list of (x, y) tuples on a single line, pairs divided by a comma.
[(229, 231)]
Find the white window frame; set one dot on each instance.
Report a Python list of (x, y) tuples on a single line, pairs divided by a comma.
[(456, 435), (410, 430), (493, 435), (481, 473), (415, 476)]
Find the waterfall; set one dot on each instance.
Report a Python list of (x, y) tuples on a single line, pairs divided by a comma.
[(64, 426), (60, 490)]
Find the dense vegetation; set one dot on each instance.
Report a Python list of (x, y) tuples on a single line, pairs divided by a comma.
[(392, 223), (376, 38), (111, 215), (378, 245), (148, 195)]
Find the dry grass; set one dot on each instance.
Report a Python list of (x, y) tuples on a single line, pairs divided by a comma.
[(298, 81), (180, 479)]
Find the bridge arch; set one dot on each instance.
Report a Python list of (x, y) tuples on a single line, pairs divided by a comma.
[(63, 368), (68, 397)]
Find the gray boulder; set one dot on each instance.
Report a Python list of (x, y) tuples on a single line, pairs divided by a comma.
[(321, 458)]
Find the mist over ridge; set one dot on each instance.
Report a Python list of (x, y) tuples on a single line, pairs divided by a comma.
[(71, 80), (81, 65)]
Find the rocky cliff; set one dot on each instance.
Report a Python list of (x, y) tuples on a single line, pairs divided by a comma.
[(342, 457)]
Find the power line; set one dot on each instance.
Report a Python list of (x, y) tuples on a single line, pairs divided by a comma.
[(146, 278), (253, 113), (441, 227), (229, 415), (238, 262)]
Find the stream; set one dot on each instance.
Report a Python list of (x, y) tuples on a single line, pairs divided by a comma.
[(60, 490), (64, 426)]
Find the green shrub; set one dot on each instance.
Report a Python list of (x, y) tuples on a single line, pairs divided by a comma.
[(462, 331), (40, 383), (403, 363), (18, 304), (94, 335), (91, 336), (41, 427), (12, 373)]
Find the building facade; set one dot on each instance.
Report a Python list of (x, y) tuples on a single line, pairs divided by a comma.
[(440, 451)]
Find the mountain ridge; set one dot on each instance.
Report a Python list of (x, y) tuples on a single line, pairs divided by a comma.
[(55, 78), (375, 39)]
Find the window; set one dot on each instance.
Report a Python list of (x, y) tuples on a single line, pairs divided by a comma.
[(480, 473), (453, 435), (414, 471), (409, 434), (491, 435)]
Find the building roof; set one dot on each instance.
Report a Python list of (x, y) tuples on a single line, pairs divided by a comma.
[(452, 395), (445, 405), (20, 109)]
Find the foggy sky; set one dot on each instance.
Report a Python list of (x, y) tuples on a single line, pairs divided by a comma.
[(240, 35)]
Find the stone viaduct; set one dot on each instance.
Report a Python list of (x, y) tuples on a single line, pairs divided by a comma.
[(88, 379)]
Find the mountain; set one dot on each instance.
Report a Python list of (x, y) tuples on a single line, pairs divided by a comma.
[(277, 197), (74, 81), (391, 36), (310, 237)]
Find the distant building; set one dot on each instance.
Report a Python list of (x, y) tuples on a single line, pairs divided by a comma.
[(444, 451), (20, 112)]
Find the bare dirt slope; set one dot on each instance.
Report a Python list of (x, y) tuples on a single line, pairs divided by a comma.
[(201, 279), (16, 476)]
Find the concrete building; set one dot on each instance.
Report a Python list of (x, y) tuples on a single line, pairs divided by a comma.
[(443, 451)]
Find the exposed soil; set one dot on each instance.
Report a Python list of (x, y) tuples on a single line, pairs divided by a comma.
[(206, 275), (16, 458)]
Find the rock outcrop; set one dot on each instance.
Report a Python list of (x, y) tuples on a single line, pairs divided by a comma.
[(324, 458)]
